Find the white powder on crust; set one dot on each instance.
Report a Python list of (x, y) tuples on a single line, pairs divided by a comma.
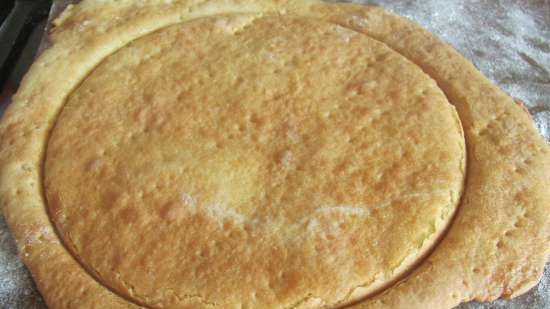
[(509, 41)]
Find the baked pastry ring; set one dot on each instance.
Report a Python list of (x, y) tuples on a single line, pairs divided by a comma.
[(118, 155)]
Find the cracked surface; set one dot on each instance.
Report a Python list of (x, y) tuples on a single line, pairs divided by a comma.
[(255, 162)]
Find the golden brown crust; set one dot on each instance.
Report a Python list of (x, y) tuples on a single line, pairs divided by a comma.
[(260, 176), (497, 245)]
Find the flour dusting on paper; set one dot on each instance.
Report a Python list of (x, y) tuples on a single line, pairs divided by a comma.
[(509, 41)]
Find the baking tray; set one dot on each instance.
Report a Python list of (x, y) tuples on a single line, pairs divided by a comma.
[(509, 41)]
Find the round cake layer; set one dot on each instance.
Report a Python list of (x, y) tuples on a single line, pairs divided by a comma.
[(263, 162)]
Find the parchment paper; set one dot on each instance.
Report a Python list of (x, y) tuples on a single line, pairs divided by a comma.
[(507, 40)]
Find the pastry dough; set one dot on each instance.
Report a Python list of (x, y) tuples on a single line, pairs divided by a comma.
[(267, 154), (260, 166)]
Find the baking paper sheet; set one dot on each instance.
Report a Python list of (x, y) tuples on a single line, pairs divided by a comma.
[(509, 41)]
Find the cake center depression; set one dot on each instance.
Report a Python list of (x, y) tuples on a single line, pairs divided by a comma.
[(248, 161)]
